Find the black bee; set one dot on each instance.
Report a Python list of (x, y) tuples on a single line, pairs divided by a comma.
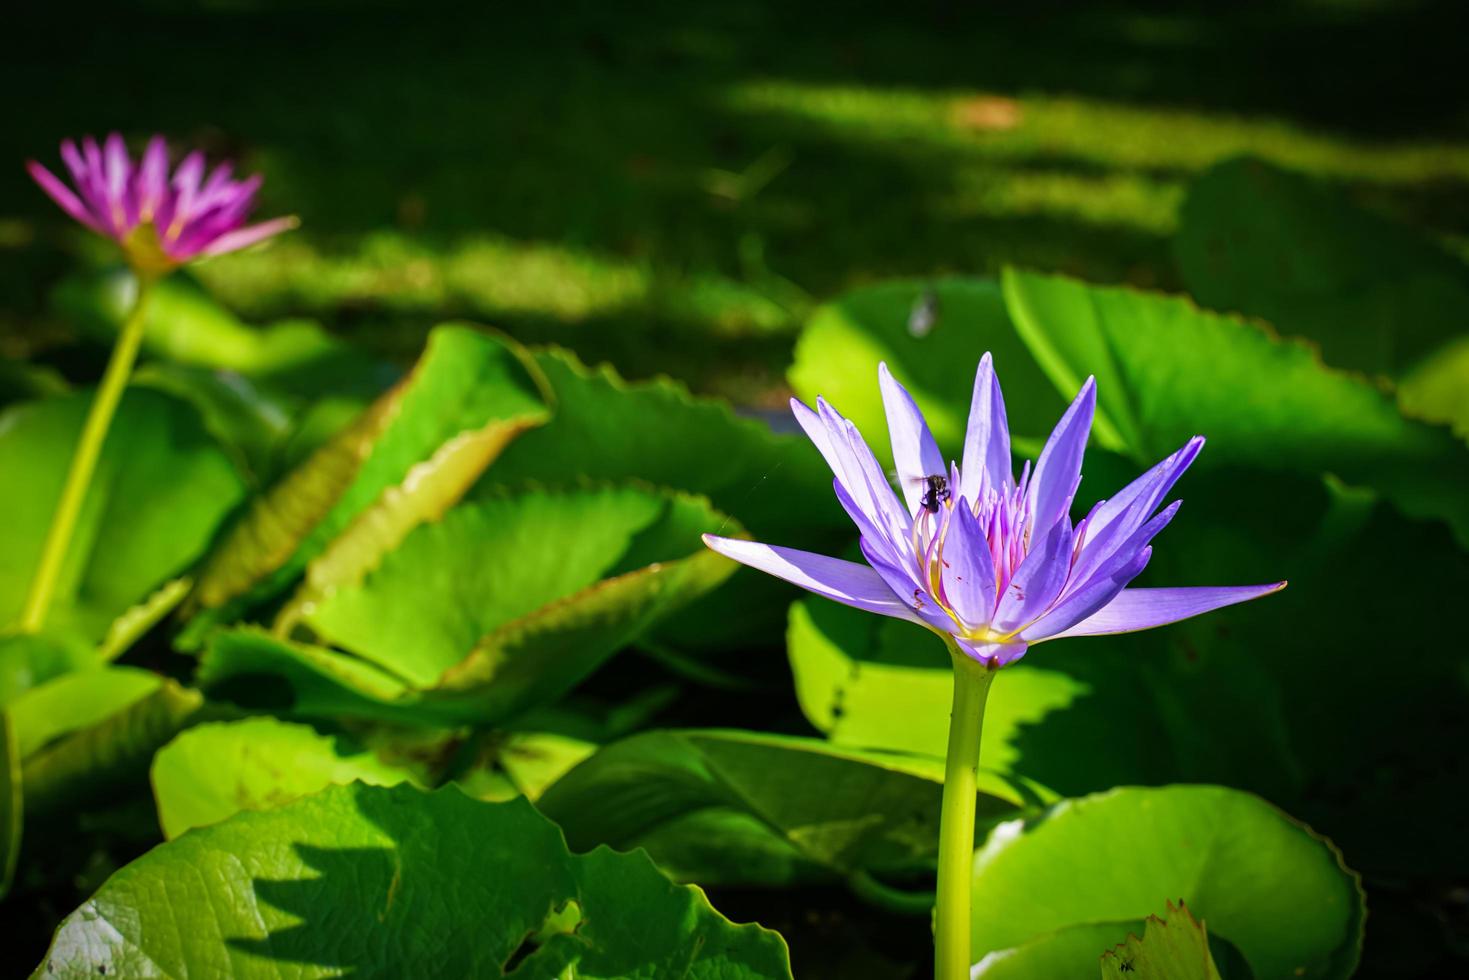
[(935, 492)]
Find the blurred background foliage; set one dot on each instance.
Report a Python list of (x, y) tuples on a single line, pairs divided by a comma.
[(673, 188)]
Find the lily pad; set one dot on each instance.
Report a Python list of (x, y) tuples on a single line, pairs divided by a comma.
[(841, 344), (1171, 948), (213, 771), (1167, 370), (373, 880), (783, 804), (1121, 856), (466, 382), (1376, 295), (503, 605)]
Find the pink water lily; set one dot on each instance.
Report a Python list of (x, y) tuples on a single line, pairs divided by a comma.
[(161, 220), (970, 552)]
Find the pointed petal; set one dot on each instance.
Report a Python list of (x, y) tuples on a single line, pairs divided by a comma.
[(865, 480), (1114, 520), (842, 581), (968, 572), (1038, 580), (987, 440), (1140, 609), (151, 180), (186, 189), (915, 453), (877, 536), (1099, 590), (61, 194), (1058, 470), (245, 237), (118, 175), (904, 582)]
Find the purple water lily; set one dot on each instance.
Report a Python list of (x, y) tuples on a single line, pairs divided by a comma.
[(971, 553), (160, 221)]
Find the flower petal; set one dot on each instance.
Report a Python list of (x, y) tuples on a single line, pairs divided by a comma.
[(915, 453), (864, 479), (987, 439), (150, 183), (1058, 470), (118, 175), (1038, 580), (1140, 609), (1099, 590), (993, 654), (904, 582), (968, 571), (245, 237), (842, 581), (62, 195), (1113, 521)]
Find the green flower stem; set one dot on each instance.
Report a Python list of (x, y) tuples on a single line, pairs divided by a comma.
[(83, 463), (956, 827)]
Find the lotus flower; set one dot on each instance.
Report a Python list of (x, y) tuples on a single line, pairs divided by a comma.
[(970, 552), (160, 221)]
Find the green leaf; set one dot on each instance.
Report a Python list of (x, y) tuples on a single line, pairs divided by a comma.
[(160, 490), (213, 771), (488, 565), (840, 347), (1172, 948), (1120, 856), (1376, 295), (374, 881), (792, 803), (97, 763), (22, 381), (28, 660), (897, 695), (876, 683), (1166, 370), (11, 801), (249, 421), (76, 700), (777, 486), (465, 382), (1437, 389), (503, 605), (609, 429)]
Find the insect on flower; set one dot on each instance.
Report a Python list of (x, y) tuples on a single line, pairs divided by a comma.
[(970, 552), (161, 221)]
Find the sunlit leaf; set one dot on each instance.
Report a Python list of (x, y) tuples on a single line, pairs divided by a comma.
[(1122, 856), (373, 880), (466, 382), (161, 488), (76, 700), (1166, 371), (842, 343), (1175, 947), (210, 772), (97, 763), (503, 605)]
